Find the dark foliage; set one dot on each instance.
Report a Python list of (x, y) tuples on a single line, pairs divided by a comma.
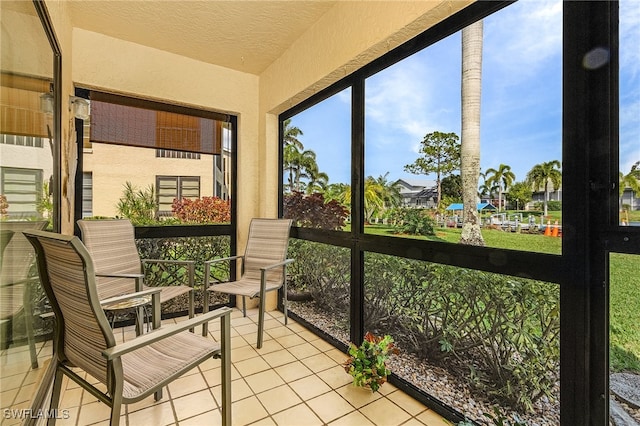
[(452, 187), (311, 211)]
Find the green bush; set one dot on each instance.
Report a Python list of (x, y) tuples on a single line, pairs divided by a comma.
[(552, 206), (412, 221), (138, 205), (324, 273), (201, 248), (505, 329), (502, 330)]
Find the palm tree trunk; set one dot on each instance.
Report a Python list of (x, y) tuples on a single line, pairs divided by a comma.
[(546, 198), (470, 141)]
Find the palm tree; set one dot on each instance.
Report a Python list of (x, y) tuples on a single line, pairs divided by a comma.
[(305, 163), (470, 143), (630, 180), (290, 164), (317, 180), (292, 149), (542, 175), (338, 192), (374, 196), (378, 195), (290, 135), (503, 178), (488, 188), (390, 193)]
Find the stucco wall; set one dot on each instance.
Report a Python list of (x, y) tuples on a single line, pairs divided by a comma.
[(113, 165)]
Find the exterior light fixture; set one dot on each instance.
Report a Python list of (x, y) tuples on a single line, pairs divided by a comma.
[(79, 107), (46, 103)]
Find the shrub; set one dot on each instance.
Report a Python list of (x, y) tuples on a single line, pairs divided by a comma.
[(44, 205), (4, 205), (324, 271), (311, 211), (202, 210), (552, 205), (198, 248), (412, 221), (503, 331), (138, 205)]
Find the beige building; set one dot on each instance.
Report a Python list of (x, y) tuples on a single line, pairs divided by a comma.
[(107, 168)]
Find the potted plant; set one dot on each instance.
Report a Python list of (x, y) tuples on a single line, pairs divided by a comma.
[(367, 363)]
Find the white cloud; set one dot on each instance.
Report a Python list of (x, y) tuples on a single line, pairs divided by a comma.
[(630, 38), (522, 38), (415, 97)]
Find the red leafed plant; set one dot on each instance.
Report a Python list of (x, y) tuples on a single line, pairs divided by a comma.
[(3, 206), (311, 211), (202, 210)]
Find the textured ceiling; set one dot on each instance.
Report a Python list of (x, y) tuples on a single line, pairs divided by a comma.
[(242, 35)]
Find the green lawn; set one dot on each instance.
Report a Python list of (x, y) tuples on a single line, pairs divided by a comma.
[(625, 285), (492, 238), (624, 312)]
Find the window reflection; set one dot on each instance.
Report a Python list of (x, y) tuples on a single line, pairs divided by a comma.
[(26, 125), (26, 195)]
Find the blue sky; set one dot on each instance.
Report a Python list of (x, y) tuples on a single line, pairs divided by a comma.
[(521, 99)]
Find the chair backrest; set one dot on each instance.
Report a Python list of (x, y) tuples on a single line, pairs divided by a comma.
[(18, 255), (68, 277), (267, 244), (5, 237), (113, 249), (15, 261)]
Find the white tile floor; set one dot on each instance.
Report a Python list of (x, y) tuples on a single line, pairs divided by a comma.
[(295, 379)]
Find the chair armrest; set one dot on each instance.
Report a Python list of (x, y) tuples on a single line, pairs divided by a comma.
[(20, 281), (177, 262), (130, 296), (209, 262), (164, 332), (283, 263), (139, 278), (115, 275)]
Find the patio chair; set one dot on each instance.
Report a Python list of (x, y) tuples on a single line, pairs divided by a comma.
[(16, 287), (84, 340), (118, 265), (263, 268)]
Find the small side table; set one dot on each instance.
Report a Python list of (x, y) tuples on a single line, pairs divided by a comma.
[(140, 304)]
